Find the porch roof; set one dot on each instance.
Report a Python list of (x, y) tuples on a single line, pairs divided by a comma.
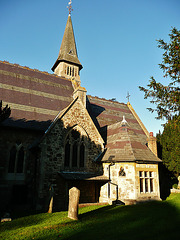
[(83, 176)]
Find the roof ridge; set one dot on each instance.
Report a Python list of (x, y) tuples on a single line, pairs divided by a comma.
[(32, 69), (138, 119), (108, 100), (130, 142)]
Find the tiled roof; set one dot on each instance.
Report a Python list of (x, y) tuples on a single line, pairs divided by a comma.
[(124, 144), (33, 95), (25, 124), (107, 112)]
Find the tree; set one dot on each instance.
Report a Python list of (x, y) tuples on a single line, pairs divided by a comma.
[(170, 142), (167, 101), (166, 98), (4, 112)]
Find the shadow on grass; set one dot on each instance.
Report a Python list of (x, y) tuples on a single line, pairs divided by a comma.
[(154, 220), (24, 222)]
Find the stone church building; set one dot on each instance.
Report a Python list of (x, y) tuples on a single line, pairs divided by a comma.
[(58, 137)]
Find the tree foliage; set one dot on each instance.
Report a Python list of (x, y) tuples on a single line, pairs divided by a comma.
[(166, 98), (170, 142), (4, 112)]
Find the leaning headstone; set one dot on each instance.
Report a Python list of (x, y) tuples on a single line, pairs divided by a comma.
[(74, 195)]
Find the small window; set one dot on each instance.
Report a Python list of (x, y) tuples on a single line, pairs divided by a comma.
[(151, 185), (146, 182), (141, 185), (71, 51), (73, 72)]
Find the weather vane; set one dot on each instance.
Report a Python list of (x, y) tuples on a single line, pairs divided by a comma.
[(70, 7), (128, 96)]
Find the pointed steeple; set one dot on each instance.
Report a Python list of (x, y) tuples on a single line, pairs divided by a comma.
[(67, 63)]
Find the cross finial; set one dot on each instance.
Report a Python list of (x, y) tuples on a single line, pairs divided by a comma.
[(70, 7), (128, 96), (124, 122)]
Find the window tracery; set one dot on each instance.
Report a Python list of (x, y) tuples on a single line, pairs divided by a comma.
[(74, 150), (16, 159)]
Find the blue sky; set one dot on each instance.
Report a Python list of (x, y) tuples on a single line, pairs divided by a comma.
[(116, 42)]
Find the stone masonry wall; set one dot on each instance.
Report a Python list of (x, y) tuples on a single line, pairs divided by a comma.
[(9, 137), (52, 156), (125, 177), (121, 175)]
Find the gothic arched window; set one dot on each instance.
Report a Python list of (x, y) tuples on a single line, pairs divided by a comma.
[(74, 155), (20, 160), (74, 150), (12, 160), (16, 159), (67, 154), (81, 155)]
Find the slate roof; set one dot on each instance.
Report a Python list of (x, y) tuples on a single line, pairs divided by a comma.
[(68, 51), (107, 112), (124, 144), (34, 97), (83, 176)]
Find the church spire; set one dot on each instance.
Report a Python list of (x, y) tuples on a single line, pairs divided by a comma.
[(67, 63)]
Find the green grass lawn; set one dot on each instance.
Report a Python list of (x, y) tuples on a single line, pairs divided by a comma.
[(152, 220)]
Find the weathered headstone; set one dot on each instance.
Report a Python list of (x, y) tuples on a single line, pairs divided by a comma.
[(74, 195), (179, 182), (6, 218), (51, 194)]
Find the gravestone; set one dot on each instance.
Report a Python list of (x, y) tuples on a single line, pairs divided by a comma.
[(6, 218), (179, 182), (74, 195), (51, 194)]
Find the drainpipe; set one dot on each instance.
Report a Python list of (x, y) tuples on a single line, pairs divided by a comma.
[(110, 182)]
